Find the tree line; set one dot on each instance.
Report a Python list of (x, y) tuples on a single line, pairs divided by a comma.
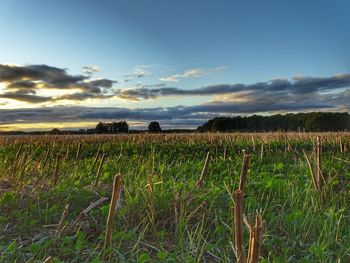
[(314, 121), (123, 127)]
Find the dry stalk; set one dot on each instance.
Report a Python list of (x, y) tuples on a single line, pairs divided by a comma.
[(112, 209), (231, 143), (342, 160), (99, 169), (83, 214), (46, 158), (204, 170), (244, 170), (151, 199), (225, 153), (78, 151), (97, 155), (253, 141), (23, 168), (238, 226), (49, 260), (176, 208), (17, 156), (255, 232), (250, 227), (61, 224), (319, 180), (255, 240), (313, 177), (67, 152), (199, 183), (261, 151), (57, 170)]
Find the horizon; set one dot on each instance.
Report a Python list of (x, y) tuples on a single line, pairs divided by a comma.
[(69, 65)]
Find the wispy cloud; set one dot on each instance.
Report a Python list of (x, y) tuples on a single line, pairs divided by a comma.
[(90, 69), (192, 73), (138, 72)]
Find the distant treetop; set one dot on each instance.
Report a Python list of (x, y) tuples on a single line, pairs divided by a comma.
[(112, 127), (154, 127), (314, 121)]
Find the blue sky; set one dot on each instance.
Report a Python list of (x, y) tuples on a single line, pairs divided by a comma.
[(183, 45)]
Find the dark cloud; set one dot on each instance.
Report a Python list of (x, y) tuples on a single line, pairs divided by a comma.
[(297, 86), (179, 116), (22, 83), (20, 96), (52, 75), (105, 83), (158, 85), (277, 95), (80, 96)]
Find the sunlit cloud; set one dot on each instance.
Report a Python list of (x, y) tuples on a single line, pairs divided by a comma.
[(192, 73), (272, 89), (31, 84)]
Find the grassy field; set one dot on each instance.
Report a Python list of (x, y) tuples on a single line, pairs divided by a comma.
[(166, 211)]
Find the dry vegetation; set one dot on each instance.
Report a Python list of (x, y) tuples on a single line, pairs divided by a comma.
[(246, 197)]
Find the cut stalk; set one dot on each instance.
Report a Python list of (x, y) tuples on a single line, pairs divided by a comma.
[(313, 177), (319, 180), (225, 153), (238, 223), (99, 169), (49, 260), (204, 170), (112, 209), (261, 151), (244, 171), (61, 225), (57, 170), (78, 151)]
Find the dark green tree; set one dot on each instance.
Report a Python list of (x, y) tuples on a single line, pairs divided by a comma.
[(154, 127), (313, 121)]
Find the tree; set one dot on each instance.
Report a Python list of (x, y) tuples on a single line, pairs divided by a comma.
[(55, 131), (313, 121), (101, 127), (112, 127), (123, 126), (154, 127)]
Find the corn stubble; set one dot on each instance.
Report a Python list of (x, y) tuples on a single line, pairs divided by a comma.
[(179, 193)]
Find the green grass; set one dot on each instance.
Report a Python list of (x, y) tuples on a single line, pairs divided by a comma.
[(191, 224)]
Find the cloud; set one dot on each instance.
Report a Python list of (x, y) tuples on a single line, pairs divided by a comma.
[(23, 82), (24, 97), (276, 88), (105, 83), (138, 72), (90, 69), (192, 73), (179, 116), (51, 75), (28, 83)]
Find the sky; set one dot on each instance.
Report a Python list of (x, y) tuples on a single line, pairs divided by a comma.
[(70, 64)]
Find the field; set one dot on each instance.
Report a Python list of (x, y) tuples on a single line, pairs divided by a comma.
[(167, 209)]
